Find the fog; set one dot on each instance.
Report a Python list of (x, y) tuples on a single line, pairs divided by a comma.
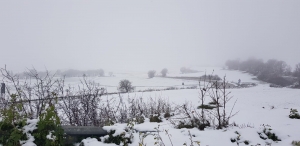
[(144, 35)]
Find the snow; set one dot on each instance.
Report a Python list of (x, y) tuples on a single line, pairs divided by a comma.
[(255, 106), (31, 125), (50, 136), (118, 128)]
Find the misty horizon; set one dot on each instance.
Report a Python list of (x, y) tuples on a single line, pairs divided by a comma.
[(145, 35)]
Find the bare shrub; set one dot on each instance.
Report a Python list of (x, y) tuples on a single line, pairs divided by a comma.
[(187, 116), (220, 96), (36, 91), (82, 109)]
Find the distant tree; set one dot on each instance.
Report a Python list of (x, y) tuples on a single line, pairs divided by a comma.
[(101, 72), (164, 72), (233, 64), (111, 74), (125, 86), (288, 71), (297, 72), (183, 70), (187, 70), (273, 71), (151, 73)]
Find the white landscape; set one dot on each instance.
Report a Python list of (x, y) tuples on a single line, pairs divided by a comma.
[(256, 106), (150, 73)]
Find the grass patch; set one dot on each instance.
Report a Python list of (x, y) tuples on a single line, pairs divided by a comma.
[(204, 106), (155, 118), (213, 103), (296, 143)]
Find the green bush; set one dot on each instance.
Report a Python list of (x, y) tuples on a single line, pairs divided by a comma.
[(11, 134), (124, 138), (49, 131), (118, 139), (11, 125)]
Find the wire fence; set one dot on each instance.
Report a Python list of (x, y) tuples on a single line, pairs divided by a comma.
[(190, 86)]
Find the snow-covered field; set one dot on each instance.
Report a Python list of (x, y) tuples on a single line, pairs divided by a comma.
[(256, 106), (141, 81)]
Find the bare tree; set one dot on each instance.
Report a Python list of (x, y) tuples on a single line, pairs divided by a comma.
[(125, 86), (205, 84), (221, 97)]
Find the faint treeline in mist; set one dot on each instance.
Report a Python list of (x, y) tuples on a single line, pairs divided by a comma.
[(66, 73), (273, 71)]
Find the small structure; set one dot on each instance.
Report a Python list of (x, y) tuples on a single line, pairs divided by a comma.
[(76, 133)]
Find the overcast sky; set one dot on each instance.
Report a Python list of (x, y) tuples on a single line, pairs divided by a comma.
[(146, 34)]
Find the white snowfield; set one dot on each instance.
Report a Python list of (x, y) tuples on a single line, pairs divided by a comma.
[(255, 106)]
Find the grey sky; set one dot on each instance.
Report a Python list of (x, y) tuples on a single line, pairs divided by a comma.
[(146, 34)]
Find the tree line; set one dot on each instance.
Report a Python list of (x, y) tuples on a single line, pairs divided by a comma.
[(273, 71), (66, 73)]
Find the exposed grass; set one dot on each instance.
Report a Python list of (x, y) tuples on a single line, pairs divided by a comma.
[(204, 106), (296, 143), (213, 103), (155, 118)]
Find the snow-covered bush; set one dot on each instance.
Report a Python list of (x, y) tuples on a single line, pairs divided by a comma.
[(119, 134), (187, 116), (49, 131), (294, 114), (138, 107), (238, 139), (16, 129), (267, 133), (12, 124)]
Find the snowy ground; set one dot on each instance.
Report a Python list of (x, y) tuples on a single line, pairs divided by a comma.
[(141, 81), (256, 105)]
